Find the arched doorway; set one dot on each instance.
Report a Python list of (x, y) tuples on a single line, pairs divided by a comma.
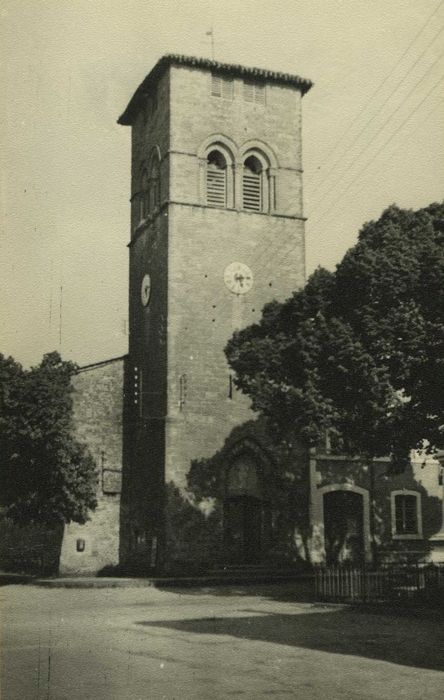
[(344, 527), (244, 512)]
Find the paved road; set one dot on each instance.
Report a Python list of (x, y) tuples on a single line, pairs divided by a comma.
[(210, 644)]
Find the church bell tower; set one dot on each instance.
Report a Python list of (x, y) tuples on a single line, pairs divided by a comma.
[(217, 231)]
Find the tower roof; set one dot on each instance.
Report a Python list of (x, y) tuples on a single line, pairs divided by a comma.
[(234, 70)]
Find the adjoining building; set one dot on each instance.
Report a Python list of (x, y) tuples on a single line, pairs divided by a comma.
[(217, 231)]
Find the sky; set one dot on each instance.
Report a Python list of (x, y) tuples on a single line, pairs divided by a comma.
[(373, 135)]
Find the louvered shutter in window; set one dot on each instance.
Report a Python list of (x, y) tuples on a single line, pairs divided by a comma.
[(254, 92), (222, 87), (252, 191), (248, 92), (227, 89), (259, 93), (216, 186), (216, 85)]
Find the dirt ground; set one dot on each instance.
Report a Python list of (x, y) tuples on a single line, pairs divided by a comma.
[(211, 644)]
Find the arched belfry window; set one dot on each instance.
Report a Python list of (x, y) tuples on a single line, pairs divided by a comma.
[(257, 169), (216, 179), (217, 172), (252, 184)]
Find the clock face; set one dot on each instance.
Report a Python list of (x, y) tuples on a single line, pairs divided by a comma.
[(238, 278), (145, 290)]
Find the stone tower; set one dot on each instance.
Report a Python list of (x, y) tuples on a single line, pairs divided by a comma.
[(217, 231)]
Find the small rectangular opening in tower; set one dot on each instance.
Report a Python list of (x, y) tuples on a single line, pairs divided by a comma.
[(222, 87)]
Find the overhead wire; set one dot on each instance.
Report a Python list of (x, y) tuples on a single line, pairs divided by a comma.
[(384, 81), (388, 98), (371, 140), (433, 88), (381, 128), (387, 158)]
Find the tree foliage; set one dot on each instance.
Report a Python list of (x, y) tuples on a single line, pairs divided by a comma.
[(46, 475), (359, 351)]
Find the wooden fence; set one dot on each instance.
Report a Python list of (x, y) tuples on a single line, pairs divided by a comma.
[(345, 583)]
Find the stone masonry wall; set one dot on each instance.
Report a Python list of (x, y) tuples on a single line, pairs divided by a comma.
[(203, 315), (98, 415)]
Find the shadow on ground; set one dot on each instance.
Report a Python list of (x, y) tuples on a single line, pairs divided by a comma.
[(403, 641), (302, 591)]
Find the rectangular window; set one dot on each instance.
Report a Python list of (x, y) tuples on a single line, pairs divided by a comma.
[(254, 92), (222, 87), (259, 93), (248, 92), (216, 85), (406, 518), (227, 89)]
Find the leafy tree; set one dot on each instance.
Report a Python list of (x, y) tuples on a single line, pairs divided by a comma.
[(46, 475), (359, 351)]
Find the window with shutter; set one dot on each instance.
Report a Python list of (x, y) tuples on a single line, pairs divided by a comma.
[(216, 180), (254, 92), (248, 92), (259, 93), (222, 87), (252, 184), (227, 89), (216, 85)]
